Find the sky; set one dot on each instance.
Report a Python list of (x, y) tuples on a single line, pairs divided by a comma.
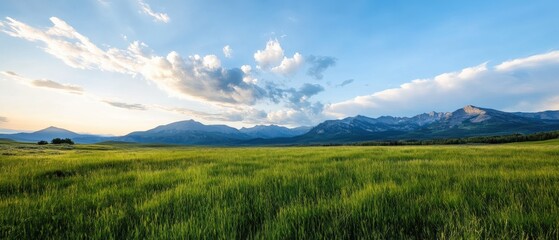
[(113, 67)]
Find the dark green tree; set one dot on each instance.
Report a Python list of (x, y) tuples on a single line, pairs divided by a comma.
[(61, 141)]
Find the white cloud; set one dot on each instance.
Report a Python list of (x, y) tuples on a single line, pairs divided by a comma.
[(289, 66), (158, 17), (528, 80), (246, 69), (298, 117), (228, 51), (300, 110), (248, 78), (272, 58), (532, 61), (192, 77)]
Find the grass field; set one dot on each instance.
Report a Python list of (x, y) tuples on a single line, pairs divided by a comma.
[(121, 191)]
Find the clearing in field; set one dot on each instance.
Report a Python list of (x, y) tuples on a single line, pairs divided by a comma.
[(140, 191)]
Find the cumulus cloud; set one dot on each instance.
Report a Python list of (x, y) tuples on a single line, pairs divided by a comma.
[(55, 85), (319, 64), (311, 115), (296, 98), (289, 66), (300, 98), (300, 110), (133, 106), (193, 77), (227, 51), (345, 82), (272, 58), (518, 85), (158, 17), (189, 77)]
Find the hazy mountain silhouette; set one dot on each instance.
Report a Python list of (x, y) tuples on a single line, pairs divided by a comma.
[(51, 132)]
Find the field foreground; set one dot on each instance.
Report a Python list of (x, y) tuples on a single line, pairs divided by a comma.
[(130, 191)]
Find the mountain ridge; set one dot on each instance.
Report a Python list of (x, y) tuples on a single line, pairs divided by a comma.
[(464, 122)]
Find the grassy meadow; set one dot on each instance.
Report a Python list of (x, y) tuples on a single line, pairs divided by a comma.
[(119, 191)]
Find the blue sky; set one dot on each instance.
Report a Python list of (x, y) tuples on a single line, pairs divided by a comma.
[(112, 67)]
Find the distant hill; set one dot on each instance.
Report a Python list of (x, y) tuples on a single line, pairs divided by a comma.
[(191, 132), (546, 115), (49, 133), (469, 121), (188, 132)]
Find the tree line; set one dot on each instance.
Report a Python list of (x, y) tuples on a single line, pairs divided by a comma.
[(469, 140), (57, 141)]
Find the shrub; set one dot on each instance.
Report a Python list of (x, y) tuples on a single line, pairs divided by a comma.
[(42, 142), (61, 141)]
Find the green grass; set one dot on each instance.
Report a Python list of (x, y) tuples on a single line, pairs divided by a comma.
[(121, 191)]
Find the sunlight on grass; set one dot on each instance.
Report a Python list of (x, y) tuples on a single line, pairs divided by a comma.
[(141, 191)]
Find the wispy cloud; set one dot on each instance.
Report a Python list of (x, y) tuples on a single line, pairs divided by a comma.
[(10, 73), (157, 16), (49, 84), (192, 77), (238, 113), (532, 61), (524, 84), (104, 3), (130, 106), (345, 82), (55, 85), (227, 51), (44, 83), (319, 64), (3, 119)]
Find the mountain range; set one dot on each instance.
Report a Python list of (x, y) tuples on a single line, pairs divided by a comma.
[(53, 132), (465, 122)]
